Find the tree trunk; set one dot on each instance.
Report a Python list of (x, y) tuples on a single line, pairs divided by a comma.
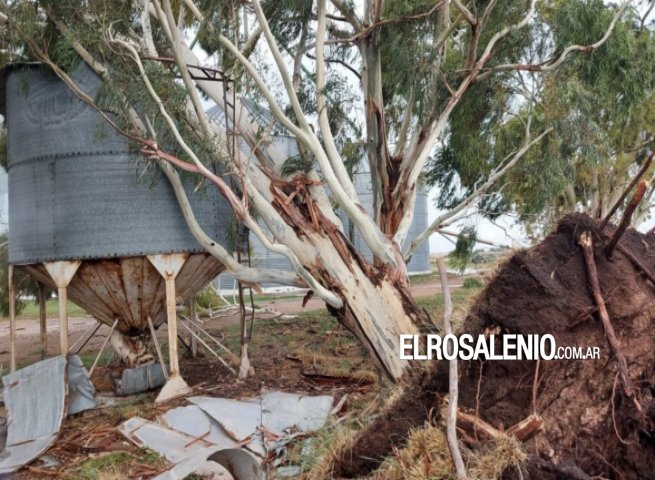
[(378, 307)]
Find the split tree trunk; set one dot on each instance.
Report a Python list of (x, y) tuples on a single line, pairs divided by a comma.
[(378, 307)]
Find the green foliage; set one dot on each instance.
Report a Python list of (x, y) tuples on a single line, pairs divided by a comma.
[(471, 283), (461, 256), (208, 298)]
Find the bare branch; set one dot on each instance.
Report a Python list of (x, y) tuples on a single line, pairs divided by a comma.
[(347, 11), (426, 138), (241, 272), (281, 66), (465, 12), (235, 203), (453, 379), (363, 32), (328, 140)]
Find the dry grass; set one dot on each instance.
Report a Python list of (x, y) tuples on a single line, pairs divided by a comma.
[(330, 445), (494, 458), (427, 457)]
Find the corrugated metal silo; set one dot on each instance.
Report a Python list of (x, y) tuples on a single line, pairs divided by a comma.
[(78, 196)]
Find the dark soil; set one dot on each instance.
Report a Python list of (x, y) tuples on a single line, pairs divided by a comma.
[(590, 429), (416, 405)]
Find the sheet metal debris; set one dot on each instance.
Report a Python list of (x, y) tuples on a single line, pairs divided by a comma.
[(192, 421), (36, 398), (174, 446), (194, 464), (240, 419), (140, 379), (240, 464), (216, 428), (81, 394), (284, 413)]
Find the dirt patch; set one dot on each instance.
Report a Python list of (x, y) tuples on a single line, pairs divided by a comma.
[(590, 429)]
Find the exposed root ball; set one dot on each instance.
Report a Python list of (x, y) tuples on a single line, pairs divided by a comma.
[(590, 429), (588, 422)]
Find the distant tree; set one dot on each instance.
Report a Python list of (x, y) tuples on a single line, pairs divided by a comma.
[(24, 285), (601, 109)]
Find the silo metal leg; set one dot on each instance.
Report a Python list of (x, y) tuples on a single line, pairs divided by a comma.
[(43, 327), (12, 318), (168, 267), (62, 273)]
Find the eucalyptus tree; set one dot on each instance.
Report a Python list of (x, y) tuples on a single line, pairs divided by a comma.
[(409, 63), (601, 112)]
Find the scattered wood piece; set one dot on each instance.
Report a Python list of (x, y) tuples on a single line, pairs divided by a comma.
[(339, 405), (475, 430), (626, 219), (629, 188), (527, 428), (327, 378), (592, 274)]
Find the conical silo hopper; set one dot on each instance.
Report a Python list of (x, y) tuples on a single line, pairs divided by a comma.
[(90, 218)]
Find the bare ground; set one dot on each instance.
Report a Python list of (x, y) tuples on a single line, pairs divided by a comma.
[(28, 336)]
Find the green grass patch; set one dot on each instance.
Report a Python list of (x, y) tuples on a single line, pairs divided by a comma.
[(89, 358), (31, 310), (116, 465), (472, 282)]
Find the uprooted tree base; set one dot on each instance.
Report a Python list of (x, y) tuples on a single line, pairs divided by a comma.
[(589, 427)]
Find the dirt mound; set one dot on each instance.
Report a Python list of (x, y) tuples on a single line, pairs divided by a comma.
[(590, 428), (587, 419)]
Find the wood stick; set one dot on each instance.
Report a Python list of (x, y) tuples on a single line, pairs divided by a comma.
[(637, 263), (453, 378), (626, 219), (102, 349), (526, 428), (625, 193), (477, 429), (592, 275), (155, 341), (43, 321)]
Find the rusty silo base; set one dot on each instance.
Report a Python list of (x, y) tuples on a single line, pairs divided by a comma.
[(129, 294)]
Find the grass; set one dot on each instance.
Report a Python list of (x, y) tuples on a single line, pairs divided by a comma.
[(116, 465), (89, 358), (31, 310)]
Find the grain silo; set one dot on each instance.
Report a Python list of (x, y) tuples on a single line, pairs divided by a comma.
[(91, 219)]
